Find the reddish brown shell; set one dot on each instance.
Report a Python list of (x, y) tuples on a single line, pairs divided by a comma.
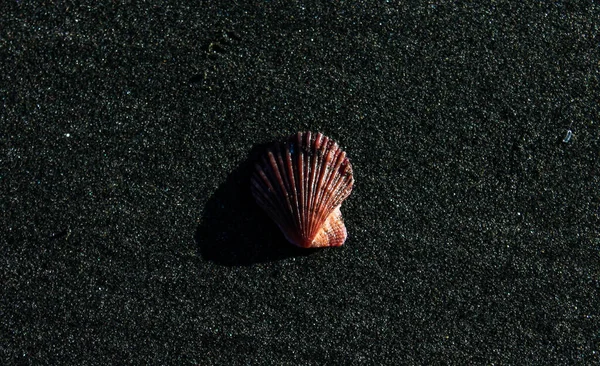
[(301, 184)]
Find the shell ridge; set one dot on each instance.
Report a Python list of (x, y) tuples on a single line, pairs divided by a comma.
[(293, 190), (282, 187), (324, 205), (318, 183), (301, 183), (317, 191), (323, 210), (315, 161), (340, 193), (298, 158), (308, 151), (308, 189), (335, 187), (342, 183), (287, 166), (286, 170), (345, 183)]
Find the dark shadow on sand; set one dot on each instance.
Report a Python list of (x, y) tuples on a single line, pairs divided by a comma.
[(234, 230)]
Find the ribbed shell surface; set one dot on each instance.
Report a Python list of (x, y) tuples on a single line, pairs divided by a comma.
[(301, 184)]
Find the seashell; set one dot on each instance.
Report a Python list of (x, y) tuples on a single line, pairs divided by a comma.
[(301, 184)]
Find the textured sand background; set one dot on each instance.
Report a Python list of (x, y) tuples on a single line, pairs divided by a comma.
[(129, 236)]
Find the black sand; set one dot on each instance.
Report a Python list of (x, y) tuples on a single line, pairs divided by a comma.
[(129, 236)]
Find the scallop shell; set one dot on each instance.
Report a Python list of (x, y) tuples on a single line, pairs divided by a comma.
[(301, 184)]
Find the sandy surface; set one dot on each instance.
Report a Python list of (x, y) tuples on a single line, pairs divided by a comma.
[(127, 138)]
